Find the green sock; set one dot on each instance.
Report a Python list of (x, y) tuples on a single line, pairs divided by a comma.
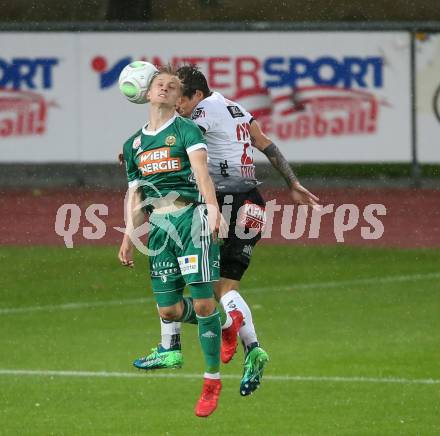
[(210, 340), (222, 314), (189, 314)]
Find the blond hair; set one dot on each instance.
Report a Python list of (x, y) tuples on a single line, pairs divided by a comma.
[(166, 69)]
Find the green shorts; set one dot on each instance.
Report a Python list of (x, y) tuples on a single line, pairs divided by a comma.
[(182, 252)]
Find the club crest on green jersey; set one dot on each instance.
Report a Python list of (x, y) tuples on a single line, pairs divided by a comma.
[(170, 140)]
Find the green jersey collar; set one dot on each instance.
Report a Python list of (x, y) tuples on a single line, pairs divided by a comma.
[(160, 129)]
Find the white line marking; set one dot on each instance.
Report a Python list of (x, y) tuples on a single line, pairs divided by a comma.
[(298, 286), (69, 306), (354, 282), (155, 375)]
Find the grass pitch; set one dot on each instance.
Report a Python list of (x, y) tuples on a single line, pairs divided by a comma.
[(353, 335)]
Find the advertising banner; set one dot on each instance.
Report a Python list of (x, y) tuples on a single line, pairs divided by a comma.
[(428, 98), (39, 104), (320, 96)]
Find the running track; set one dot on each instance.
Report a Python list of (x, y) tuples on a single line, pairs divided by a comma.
[(27, 217)]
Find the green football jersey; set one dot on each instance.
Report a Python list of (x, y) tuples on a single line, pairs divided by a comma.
[(161, 158)]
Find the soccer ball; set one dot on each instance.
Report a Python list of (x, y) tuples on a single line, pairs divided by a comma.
[(135, 79)]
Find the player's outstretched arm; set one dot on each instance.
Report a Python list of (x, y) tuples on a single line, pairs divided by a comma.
[(263, 143), (134, 217)]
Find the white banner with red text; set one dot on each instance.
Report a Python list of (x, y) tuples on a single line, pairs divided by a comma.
[(320, 96), (428, 97)]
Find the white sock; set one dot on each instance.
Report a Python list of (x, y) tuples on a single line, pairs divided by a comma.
[(169, 333), (212, 376), (233, 300)]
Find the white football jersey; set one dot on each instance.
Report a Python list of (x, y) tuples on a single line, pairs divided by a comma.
[(226, 127)]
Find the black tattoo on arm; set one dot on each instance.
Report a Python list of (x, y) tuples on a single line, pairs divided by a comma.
[(279, 162)]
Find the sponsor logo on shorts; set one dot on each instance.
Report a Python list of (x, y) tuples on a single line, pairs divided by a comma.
[(252, 216), (158, 161), (247, 250), (189, 264), (164, 264), (163, 270)]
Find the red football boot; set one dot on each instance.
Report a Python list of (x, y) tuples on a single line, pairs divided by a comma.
[(229, 336), (209, 397)]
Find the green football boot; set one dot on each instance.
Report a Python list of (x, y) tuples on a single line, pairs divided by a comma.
[(160, 360), (254, 365)]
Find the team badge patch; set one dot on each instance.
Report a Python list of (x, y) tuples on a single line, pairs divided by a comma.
[(136, 142), (198, 113), (235, 111), (189, 264), (170, 140)]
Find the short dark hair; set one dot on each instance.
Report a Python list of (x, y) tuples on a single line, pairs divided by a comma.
[(193, 80)]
